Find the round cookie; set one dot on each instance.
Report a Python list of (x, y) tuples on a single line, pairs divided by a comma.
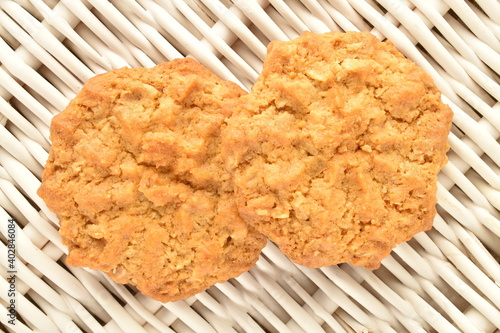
[(335, 152), (136, 178)]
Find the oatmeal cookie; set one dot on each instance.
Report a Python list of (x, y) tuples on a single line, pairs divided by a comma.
[(136, 178), (335, 152)]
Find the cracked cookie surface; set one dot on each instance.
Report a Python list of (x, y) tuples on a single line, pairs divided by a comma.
[(136, 178), (335, 152)]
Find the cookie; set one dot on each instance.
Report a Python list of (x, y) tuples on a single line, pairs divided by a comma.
[(136, 178), (335, 152)]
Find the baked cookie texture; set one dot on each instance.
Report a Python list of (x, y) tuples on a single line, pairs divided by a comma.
[(136, 178), (335, 152)]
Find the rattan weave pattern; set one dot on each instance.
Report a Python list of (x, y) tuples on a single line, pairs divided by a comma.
[(444, 280)]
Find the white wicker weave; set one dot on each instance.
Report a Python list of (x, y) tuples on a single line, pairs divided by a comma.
[(444, 280)]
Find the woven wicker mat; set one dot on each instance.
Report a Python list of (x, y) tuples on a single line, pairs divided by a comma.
[(444, 280)]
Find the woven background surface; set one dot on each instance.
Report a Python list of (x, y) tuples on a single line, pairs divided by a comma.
[(444, 280)]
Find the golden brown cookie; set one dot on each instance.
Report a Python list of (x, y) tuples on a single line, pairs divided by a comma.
[(335, 152), (136, 178)]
